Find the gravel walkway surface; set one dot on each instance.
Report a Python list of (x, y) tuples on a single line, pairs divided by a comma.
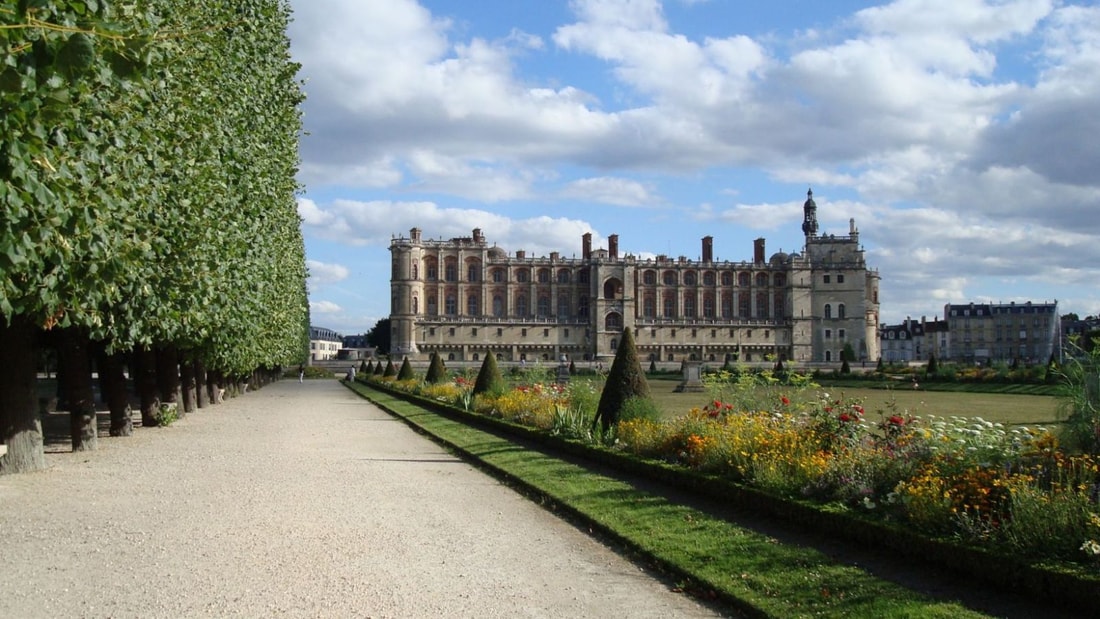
[(298, 500)]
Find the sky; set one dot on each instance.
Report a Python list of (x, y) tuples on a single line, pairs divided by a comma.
[(963, 136)]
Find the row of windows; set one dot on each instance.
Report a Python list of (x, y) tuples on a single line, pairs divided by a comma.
[(669, 307), (616, 320), (564, 276)]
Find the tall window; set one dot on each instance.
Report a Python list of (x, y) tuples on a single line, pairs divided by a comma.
[(433, 306), (521, 305), (744, 305), (498, 275), (563, 276), (498, 305), (708, 306), (544, 305), (669, 305), (727, 306), (416, 305), (828, 310), (689, 305), (582, 306), (780, 305), (432, 268), (451, 305), (563, 305), (472, 306), (450, 271), (473, 272), (649, 307), (416, 271), (649, 278), (840, 311), (762, 305)]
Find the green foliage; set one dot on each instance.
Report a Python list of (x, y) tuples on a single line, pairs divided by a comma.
[(390, 371), (436, 372), (640, 408), (625, 380), (847, 353), (406, 372), (933, 367), (378, 368), (166, 414), (845, 368), (363, 366), (379, 336), (652, 367), (1079, 407), (489, 379), (367, 371)]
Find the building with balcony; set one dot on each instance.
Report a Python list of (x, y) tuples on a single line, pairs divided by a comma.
[(464, 298)]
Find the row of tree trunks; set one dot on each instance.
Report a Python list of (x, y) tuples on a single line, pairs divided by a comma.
[(20, 427), (160, 376)]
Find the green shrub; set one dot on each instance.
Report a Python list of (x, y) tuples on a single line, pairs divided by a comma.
[(378, 369), (390, 371), (489, 379), (625, 380), (166, 414), (406, 372), (369, 369), (436, 372), (640, 408)]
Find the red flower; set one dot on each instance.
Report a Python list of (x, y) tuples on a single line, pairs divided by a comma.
[(845, 417), (717, 404), (897, 420), (828, 409), (857, 408), (713, 413), (785, 400)]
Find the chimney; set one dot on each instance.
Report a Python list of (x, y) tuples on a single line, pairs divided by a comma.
[(586, 246), (520, 254), (708, 249), (613, 246), (414, 235), (758, 251), (554, 256), (478, 238)]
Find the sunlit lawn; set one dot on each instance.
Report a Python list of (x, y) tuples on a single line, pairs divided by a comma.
[(997, 407)]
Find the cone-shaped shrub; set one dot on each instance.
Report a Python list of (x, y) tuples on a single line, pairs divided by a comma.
[(845, 368), (436, 372), (625, 380), (406, 372), (363, 366), (652, 366), (489, 379), (378, 368), (370, 368), (572, 368), (932, 367), (390, 371)]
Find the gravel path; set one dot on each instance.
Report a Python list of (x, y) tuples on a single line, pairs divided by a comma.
[(299, 500)]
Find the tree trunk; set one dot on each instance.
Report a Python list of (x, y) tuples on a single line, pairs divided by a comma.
[(187, 385), (212, 390), (168, 375), (20, 427), (112, 381), (145, 381), (75, 363), (201, 385)]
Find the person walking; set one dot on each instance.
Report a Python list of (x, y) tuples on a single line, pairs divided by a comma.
[(301, 373)]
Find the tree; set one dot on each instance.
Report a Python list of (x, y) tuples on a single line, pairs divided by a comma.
[(369, 369), (489, 379), (379, 336), (436, 372), (845, 368), (933, 367), (848, 353), (406, 371), (390, 371), (625, 380)]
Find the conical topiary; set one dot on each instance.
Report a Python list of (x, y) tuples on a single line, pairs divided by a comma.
[(652, 366), (370, 369), (932, 367), (845, 368), (625, 380), (406, 372), (390, 371), (378, 368), (572, 368), (363, 366), (489, 379), (436, 372)]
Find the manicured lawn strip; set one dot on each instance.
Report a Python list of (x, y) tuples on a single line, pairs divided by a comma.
[(751, 572)]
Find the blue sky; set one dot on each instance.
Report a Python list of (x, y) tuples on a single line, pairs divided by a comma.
[(960, 134)]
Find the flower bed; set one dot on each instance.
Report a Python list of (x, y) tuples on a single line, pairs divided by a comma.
[(1003, 505)]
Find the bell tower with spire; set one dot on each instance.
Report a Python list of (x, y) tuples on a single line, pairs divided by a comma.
[(809, 215)]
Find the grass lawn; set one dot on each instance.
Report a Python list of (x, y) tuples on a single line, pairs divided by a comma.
[(1009, 409), (753, 573)]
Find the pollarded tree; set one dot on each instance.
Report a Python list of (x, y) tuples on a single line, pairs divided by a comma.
[(625, 380), (436, 372), (406, 371), (489, 379)]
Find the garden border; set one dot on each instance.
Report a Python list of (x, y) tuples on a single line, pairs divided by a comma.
[(1059, 586)]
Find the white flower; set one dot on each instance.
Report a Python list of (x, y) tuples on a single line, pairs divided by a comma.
[(1091, 548)]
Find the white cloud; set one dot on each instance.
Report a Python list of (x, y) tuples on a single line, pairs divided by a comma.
[(321, 274), (324, 307), (608, 190)]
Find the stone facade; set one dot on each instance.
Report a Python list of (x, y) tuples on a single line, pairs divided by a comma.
[(984, 332), (463, 297)]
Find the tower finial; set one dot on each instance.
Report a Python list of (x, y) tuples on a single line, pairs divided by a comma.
[(809, 215)]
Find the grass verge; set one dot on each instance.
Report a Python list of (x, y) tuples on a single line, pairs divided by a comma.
[(745, 571)]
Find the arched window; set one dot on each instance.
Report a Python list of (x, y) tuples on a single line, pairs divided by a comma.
[(669, 278), (690, 278), (614, 321), (708, 278), (563, 276), (476, 357), (742, 279), (473, 308), (450, 356), (761, 279), (828, 311), (727, 278), (450, 270), (614, 344), (840, 311), (498, 275), (828, 355), (649, 278), (523, 276), (416, 305), (544, 276), (416, 271), (473, 272), (612, 289)]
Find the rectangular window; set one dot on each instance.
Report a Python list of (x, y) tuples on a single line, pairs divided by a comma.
[(713, 333), (523, 332), (839, 279), (827, 279), (500, 332), (674, 333), (840, 334), (567, 333), (451, 331), (431, 331), (546, 333), (767, 334), (828, 334), (473, 331)]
